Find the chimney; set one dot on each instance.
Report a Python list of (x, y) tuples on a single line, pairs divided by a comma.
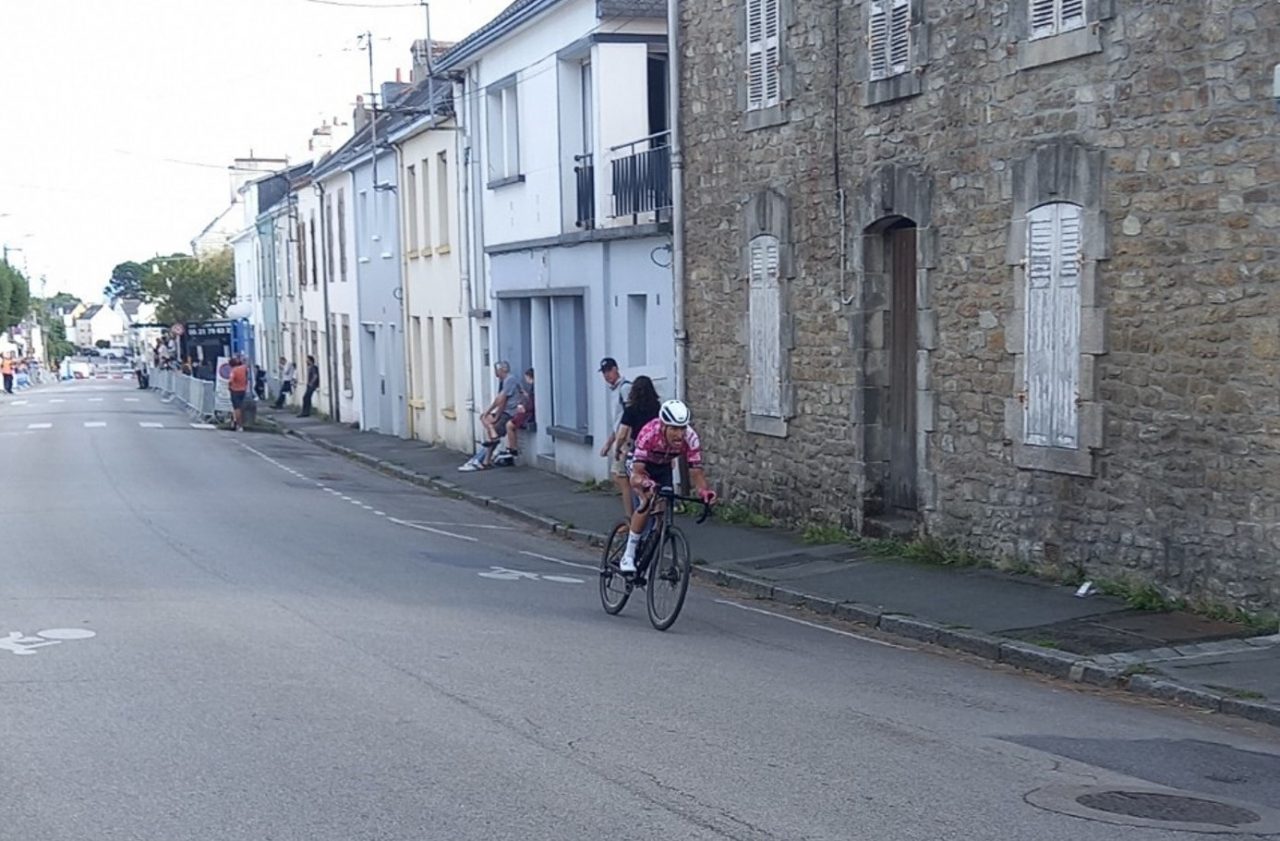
[(420, 55), (321, 138), (360, 116), (391, 91)]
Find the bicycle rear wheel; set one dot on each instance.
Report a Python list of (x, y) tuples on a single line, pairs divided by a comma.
[(668, 580), (614, 588)]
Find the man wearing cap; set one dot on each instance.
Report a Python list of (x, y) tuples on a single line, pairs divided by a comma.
[(619, 392)]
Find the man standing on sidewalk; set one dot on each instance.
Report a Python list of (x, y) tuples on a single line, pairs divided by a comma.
[(6, 369), (288, 374), (619, 392), (238, 385), (313, 383)]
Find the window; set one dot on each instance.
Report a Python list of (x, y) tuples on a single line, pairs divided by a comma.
[(446, 338), (889, 38), (442, 198), (328, 237), (342, 238), (504, 134), (765, 319), (315, 341), (312, 236), (346, 353), (1053, 17), (362, 224), (429, 365), (568, 363), (637, 330), (411, 203), (764, 70), (302, 257), (1053, 325)]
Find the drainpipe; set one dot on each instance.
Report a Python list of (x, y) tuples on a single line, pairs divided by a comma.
[(405, 317), (677, 195), (462, 166)]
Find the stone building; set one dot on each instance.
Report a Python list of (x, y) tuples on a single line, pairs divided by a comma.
[(999, 272)]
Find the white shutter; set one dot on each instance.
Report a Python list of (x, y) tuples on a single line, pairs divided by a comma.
[(1071, 15), (1053, 326), (755, 55), (764, 45), (878, 39), (772, 52), (900, 37), (1044, 17), (765, 320)]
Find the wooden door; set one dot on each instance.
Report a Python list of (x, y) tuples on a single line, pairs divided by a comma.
[(901, 492)]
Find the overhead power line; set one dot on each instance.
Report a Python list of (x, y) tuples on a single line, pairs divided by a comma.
[(364, 5)]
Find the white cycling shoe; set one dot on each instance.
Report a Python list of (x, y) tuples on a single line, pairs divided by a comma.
[(627, 564)]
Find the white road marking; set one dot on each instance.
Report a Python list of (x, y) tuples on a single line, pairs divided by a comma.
[(150, 425), (19, 402), (504, 574), (466, 525), (381, 513), (559, 561), (66, 634), (433, 531), (94, 424), (57, 400), (203, 426), (95, 399), (131, 400), (815, 625), (39, 426), (562, 579)]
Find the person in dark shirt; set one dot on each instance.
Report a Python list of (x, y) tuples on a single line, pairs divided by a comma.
[(313, 383), (641, 407)]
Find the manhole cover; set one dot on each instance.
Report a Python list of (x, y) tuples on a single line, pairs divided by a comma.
[(1158, 808), (1168, 807)]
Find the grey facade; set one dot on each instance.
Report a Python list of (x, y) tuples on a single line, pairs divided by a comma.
[(1016, 271)]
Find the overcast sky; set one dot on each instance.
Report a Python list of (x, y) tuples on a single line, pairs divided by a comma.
[(119, 118)]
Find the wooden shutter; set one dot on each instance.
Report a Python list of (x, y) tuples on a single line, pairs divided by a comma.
[(764, 313), (1071, 15), (1044, 17), (764, 33), (889, 38), (1053, 325), (878, 39)]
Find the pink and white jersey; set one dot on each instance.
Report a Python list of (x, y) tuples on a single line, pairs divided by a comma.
[(652, 446)]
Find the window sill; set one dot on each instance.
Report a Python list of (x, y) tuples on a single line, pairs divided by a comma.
[(573, 436), (413, 255), (443, 249), (767, 425), (893, 88), (448, 414), (362, 260), (1078, 42), (503, 182), (774, 115)]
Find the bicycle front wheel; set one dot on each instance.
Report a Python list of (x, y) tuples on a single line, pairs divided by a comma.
[(614, 587), (668, 580)]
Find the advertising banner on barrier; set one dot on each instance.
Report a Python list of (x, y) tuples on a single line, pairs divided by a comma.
[(222, 390)]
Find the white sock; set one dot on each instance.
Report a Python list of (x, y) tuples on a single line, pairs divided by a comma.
[(633, 540)]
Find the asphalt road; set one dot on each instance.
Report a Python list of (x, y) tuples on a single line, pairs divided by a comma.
[(288, 646)]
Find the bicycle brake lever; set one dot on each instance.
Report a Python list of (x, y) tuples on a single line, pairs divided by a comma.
[(706, 512)]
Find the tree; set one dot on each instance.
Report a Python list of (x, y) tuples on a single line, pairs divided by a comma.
[(19, 300), (57, 345), (126, 281), (63, 302), (102, 343), (190, 289)]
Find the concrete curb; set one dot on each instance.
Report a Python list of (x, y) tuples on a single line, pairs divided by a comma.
[(1033, 658)]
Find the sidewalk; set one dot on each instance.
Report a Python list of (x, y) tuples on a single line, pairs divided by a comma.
[(1014, 619)]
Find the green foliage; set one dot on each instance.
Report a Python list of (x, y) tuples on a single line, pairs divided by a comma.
[(742, 515), (190, 289), (827, 534), (15, 296), (63, 301), (56, 344), (126, 281), (1242, 694)]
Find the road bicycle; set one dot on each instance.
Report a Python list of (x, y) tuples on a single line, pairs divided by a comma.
[(662, 563)]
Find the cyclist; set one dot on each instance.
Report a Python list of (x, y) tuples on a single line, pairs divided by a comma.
[(660, 442)]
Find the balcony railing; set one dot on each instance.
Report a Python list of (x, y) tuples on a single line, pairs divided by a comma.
[(641, 172), (584, 171)]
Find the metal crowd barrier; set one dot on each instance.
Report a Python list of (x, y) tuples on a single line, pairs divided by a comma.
[(195, 394)]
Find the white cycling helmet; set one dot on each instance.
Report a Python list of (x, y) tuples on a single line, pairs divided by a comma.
[(674, 413)]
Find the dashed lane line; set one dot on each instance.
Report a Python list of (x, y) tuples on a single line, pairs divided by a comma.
[(814, 625)]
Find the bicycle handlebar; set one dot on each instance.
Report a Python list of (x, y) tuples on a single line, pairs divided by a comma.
[(670, 493)]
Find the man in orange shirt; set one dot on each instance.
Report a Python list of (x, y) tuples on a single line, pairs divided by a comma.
[(238, 384), (6, 368)]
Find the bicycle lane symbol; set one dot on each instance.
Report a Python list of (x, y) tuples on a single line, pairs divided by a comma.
[(504, 574), (20, 644)]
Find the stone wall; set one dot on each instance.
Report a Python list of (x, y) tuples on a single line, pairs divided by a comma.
[(1181, 484)]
